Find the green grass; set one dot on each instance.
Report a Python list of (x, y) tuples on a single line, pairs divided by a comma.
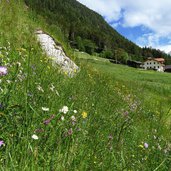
[(125, 108), (150, 86)]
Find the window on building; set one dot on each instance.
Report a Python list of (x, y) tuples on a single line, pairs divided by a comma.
[(154, 67), (147, 63), (154, 63), (158, 66)]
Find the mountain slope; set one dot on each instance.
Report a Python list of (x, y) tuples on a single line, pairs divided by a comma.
[(83, 27)]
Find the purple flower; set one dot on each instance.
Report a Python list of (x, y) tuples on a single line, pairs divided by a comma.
[(2, 143), (126, 113), (3, 70), (39, 130), (145, 145), (46, 122), (70, 131)]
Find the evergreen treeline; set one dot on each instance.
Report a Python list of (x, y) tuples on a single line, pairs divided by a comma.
[(88, 31)]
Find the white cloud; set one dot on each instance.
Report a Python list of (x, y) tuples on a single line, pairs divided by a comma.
[(110, 9), (152, 14), (166, 48)]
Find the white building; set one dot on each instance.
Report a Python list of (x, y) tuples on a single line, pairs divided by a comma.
[(154, 63)]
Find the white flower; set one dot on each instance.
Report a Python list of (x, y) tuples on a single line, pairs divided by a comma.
[(73, 118), (45, 109), (62, 118), (35, 137), (145, 145), (64, 109), (75, 111)]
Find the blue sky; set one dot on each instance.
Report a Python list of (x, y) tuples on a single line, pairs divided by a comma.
[(145, 22)]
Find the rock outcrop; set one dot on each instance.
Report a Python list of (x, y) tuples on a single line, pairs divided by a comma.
[(56, 52)]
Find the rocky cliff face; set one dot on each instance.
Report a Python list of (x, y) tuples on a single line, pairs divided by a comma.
[(56, 53)]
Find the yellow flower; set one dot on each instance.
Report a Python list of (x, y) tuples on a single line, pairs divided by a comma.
[(84, 114)]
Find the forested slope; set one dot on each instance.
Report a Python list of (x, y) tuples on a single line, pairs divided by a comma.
[(88, 31)]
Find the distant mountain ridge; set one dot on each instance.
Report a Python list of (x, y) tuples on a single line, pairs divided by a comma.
[(86, 30)]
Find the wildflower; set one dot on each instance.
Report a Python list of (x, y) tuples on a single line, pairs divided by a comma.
[(75, 111), (145, 145), (126, 113), (73, 118), (64, 109), (45, 109), (62, 118), (70, 131), (2, 143), (84, 115), (46, 122), (35, 137), (3, 71)]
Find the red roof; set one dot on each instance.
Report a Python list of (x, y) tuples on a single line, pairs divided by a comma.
[(161, 60)]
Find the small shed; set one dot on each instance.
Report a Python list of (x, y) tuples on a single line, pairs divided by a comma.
[(167, 68), (135, 64)]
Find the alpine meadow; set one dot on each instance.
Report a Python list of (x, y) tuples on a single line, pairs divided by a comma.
[(106, 117)]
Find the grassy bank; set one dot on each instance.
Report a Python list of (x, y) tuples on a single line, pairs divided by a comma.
[(115, 117)]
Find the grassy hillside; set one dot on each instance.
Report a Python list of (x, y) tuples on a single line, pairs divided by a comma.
[(88, 31), (83, 27), (108, 117)]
